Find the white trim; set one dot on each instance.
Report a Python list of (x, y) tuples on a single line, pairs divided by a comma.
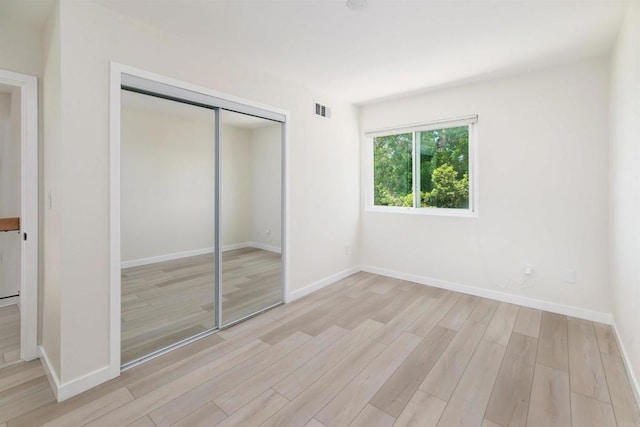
[(568, 310), (234, 246), (167, 257), (180, 84), (285, 208), (10, 301), (174, 89), (264, 247), (633, 380), (29, 211), (368, 172), (461, 213), (54, 382), (294, 295), (423, 127), (64, 391), (114, 220), (117, 71)]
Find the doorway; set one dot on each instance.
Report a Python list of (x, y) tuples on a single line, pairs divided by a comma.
[(197, 214), (18, 217)]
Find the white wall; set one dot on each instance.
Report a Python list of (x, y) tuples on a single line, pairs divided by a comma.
[(10, 189), (324, 157), (543, 176), (5, 105), (167, 181), (50, 298), (266, 151), (625, 188), (235, 151), (21, 47)]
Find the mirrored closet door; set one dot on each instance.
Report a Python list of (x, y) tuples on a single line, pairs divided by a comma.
[(251, 215), (201, 216), (167, 223)]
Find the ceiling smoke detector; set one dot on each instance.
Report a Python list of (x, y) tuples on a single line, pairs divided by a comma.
[(356, 4)]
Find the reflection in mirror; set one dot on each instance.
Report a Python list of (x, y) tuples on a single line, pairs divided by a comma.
[(167, 223), (250, 152)]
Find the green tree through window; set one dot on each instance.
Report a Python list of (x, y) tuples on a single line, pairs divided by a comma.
[(443, 163), (393, 170)]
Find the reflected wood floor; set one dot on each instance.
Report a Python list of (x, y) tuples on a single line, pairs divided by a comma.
[(9, 335), (367, 351), (167, 302)]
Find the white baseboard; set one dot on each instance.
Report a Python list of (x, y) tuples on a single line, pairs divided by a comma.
[(299, 293), (54, 382), (167, 257), (265, 247), (234, 246), (195, 252), (64, 391), (10, 301), (635, 385), (581, 313)]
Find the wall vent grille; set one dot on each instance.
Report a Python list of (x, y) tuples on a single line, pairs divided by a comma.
[(323, 111)]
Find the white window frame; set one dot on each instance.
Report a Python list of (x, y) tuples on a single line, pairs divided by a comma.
[(471, 211)]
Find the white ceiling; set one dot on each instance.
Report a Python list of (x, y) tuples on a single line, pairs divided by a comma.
[(389, 48)]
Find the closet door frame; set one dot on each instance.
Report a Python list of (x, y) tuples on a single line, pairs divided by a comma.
[(123, 76)]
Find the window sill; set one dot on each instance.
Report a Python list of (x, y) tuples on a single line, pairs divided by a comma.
[(461, 213)]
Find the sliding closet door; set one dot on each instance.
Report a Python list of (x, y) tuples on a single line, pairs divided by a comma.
[(168, 221), (251, 216)]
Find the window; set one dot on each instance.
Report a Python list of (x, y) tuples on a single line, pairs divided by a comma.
[(424, 169)]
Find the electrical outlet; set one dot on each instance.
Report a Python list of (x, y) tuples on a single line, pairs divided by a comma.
[(529, 271)]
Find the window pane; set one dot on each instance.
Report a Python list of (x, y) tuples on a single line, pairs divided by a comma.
[(393, 176), (444, 167)]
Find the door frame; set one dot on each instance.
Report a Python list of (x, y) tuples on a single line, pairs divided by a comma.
[(28, 300), (118, 71)]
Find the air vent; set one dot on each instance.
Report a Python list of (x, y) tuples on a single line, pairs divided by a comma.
[(323, 111)]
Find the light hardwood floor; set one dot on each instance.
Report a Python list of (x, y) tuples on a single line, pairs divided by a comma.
[(367, 351), (167, 302), (9, 335)]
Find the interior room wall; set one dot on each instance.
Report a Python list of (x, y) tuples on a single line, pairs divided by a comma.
[(50, 297), (21, 47), (625, 190), (5, 107), (10, 190), (235, 154), (543, 189), (167, 182), (266, 151), (91, 37)]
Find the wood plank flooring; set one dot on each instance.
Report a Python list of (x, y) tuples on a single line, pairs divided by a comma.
[(167, 302), (9, 335), (341, 357)]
